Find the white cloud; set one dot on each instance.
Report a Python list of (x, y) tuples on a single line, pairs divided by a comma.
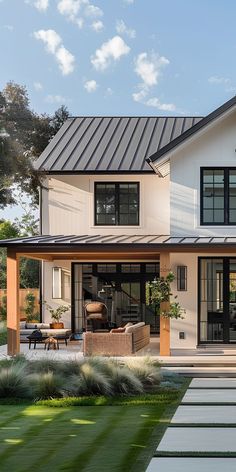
[(140, 97), (53, 44), (97, 26), (93, 11), (149, 67), (9, 27), (225, 81), (65, 60), (128, 1), (91, 86), (76, 10), (109, 91), (155, 102), (38, 86), (41, 5), (55, 99), (50, 38), (121, 28), (110, 51), (218, 80)]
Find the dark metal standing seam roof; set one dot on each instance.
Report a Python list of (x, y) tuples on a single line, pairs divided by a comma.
[(52, 242), (192, 130), (110, 144)]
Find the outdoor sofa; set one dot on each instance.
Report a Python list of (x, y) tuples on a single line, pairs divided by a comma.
[(27, 328), (118, 342)]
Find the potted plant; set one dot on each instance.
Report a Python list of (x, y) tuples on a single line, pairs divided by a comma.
[(56, 315)]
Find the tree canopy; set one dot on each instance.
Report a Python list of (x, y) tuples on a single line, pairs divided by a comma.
[(24, 134)]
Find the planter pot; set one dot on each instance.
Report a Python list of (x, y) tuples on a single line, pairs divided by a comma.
[(56, 325)]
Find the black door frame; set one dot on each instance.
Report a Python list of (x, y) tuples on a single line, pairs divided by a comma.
[(226, 299), (119, 277)]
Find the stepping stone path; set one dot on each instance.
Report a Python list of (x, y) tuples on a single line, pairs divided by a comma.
[(202, 432)]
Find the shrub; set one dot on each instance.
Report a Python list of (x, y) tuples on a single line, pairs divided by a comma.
[(71, 367), (13, 382), (89, 382), (148, 373), (123, 381), (47, 385), (29, 309), (44, 365), (3, 308)]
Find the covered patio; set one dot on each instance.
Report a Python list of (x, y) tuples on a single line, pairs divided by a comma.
[(106, 249)]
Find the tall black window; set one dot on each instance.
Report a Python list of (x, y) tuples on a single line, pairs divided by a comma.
[(117, 203), (218, 196)]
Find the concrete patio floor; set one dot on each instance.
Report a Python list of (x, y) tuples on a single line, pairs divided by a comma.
[(188, 362)]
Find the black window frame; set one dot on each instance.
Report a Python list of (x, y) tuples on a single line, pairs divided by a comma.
[(226, 221), (117, 203)]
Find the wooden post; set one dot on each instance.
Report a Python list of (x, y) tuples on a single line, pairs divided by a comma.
[(13, 312), (164, 323)]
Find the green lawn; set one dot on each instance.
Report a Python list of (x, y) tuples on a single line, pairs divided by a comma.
[(82, 438)]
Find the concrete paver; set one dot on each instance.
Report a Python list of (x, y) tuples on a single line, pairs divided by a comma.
[(213, 383), (210, 396), (179, 464), (198, 439), (205, 414)]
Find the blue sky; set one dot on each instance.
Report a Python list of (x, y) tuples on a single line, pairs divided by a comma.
[(120, 57), (132, 57)]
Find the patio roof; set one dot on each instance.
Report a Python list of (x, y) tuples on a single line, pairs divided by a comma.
[(122, 241)]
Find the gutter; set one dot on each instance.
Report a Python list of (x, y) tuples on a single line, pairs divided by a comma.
[(150, 162)]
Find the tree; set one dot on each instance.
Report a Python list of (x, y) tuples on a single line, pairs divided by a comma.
[(24, 134), (29, 268), (60, 116), (8, 230)]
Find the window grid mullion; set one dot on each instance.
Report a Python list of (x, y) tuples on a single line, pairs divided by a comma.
[(226, 196), (117, 203)]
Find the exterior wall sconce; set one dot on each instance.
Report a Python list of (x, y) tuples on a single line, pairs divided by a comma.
[(56, 282), (181, 278)]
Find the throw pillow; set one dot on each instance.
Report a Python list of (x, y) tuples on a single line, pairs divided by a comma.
[(117, 330)]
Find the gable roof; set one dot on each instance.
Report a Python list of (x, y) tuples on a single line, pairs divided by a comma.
[(160, 153), (110, 144)]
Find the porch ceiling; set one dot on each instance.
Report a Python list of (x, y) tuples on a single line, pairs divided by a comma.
[(89, 247)]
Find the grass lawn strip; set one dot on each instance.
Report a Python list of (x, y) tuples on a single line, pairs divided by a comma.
[(159, 431), (85, 438)]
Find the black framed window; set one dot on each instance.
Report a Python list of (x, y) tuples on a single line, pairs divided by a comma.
[(117, 203), (218, 196)]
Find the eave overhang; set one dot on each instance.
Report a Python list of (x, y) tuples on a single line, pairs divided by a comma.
[(55, 247), (160, 160)]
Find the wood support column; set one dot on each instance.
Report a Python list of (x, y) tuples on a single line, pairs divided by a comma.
[(13, 312), (164, 323)]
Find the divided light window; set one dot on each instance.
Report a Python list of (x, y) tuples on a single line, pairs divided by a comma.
[(218, 196), (117, 203)]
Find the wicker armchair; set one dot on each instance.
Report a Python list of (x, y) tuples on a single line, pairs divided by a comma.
[(96, 315)]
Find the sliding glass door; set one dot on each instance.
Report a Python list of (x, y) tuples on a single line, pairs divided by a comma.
[(217, 300)]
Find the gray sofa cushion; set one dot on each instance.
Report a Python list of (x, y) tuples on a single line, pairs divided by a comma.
[(131, 329), (37, 325)]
